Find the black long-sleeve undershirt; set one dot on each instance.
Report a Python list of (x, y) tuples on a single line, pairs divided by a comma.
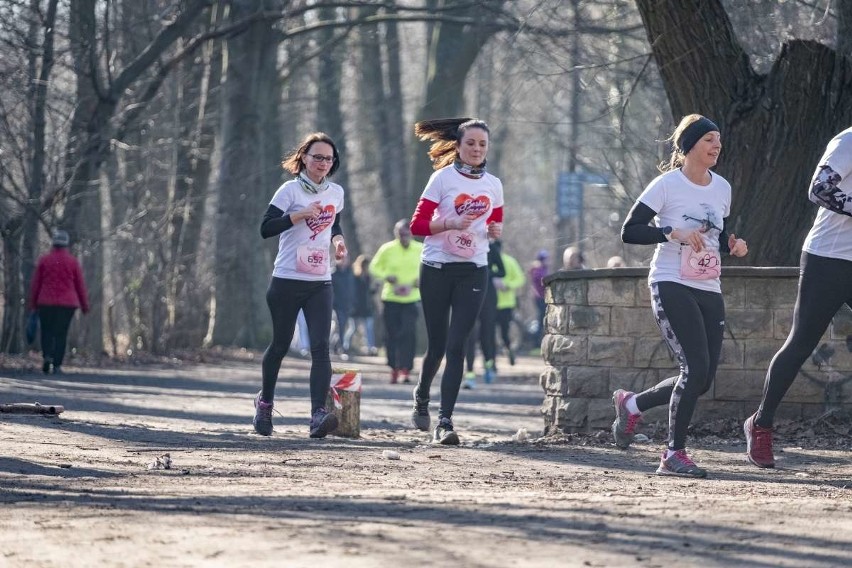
[(276, 222)]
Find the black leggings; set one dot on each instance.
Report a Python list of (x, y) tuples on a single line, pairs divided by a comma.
[(487, 331), (55, 321), (401, 333), (452, 297), (824, 286), (692, 322), (504, 322), (285, 298)]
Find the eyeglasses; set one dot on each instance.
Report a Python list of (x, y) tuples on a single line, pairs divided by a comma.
[(320, 158)]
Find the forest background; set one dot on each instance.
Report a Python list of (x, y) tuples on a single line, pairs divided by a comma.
[(152, 130)]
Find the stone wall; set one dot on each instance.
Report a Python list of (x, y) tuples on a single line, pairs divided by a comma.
[(600, 336)]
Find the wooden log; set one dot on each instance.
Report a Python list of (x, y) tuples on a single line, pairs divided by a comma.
[(31, 408), (348, 417)]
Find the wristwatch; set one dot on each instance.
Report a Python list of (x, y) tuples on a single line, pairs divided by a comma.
[(667, 232)]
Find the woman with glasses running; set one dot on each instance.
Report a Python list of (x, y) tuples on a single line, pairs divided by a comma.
[(305, 216), (688, 204), (460, 209)]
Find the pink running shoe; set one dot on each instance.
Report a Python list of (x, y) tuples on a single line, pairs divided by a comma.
[(680, 465), (758, 443), (624, 426)]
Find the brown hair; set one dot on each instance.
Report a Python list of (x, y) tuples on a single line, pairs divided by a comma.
[(677, 157), (445, 134), (360, 265), (293, 163)]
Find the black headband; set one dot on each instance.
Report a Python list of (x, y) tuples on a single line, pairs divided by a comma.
[(693, 133)]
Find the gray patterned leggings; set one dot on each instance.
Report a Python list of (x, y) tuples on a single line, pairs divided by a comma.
[(692, 322)]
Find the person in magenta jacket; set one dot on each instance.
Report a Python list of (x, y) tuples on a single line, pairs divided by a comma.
[(57, 290)]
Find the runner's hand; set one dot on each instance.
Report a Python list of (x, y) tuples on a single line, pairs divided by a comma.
[(691, 238), (738, 247)]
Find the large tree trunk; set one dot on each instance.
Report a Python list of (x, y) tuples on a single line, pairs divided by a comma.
[(187, 320), (774, 127), (330, 117), (247, 105), (454, 48), (85, 153)]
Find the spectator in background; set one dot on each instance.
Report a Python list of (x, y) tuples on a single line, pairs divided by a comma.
[(615, 262), (363, 307), (507, 299), (537, 272), (397, 264), (573, 259), (343, 284), (56, 291)]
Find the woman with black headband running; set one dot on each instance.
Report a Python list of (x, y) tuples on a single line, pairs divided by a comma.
[(305, 216), (688, 204), (824, 286), (460, 209)]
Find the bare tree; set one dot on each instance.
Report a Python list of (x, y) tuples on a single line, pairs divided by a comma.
[(775, 125)]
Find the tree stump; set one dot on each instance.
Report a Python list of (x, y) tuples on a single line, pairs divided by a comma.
[(348, 417), (346, 389)]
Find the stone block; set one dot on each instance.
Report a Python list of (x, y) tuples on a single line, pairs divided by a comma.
[(708, 409), (599, 414), (808, 388), (738, 385), (634, 322), (652, 353), (643, 293), (586, 320), (734, 292), (556, 319), (633, 380), (573, 292), (759, 352), (749, 322), (839, 357), (610, 351), (841, 325), (572, 415), (770, 292), (782, 322), (552, 380), (586, 382), (732, 355), (612, 292), (561, 350)]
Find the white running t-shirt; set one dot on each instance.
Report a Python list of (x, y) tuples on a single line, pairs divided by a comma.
[(831, 234), (681, 204), (457, 195), (304, 248)]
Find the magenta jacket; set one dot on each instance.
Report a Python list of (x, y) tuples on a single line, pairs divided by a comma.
[(58, 281)]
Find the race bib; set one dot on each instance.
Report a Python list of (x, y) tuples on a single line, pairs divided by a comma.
[(703, 265), (460, 243), (312, 259)]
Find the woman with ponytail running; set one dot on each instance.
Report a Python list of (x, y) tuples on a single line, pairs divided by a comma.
[(459, 210)]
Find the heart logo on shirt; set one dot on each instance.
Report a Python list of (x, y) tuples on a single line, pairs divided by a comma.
[(466, 204), (321, 222)]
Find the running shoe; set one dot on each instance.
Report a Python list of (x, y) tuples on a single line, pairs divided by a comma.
[(394, 376), (469, 380), (420, 415), (262, 416), (45, 368), (758, 443), (490, 373), (624, 425), (323, 422), (680, 465), (445, 434)]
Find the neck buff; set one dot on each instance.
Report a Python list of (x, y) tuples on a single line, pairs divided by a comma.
[(693, 133), (469, 171), (309, 186)]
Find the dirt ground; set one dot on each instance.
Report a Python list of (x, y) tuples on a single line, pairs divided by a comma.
[(76, 490)]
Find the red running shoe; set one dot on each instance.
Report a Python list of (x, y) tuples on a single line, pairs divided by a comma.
[(758, 443)]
